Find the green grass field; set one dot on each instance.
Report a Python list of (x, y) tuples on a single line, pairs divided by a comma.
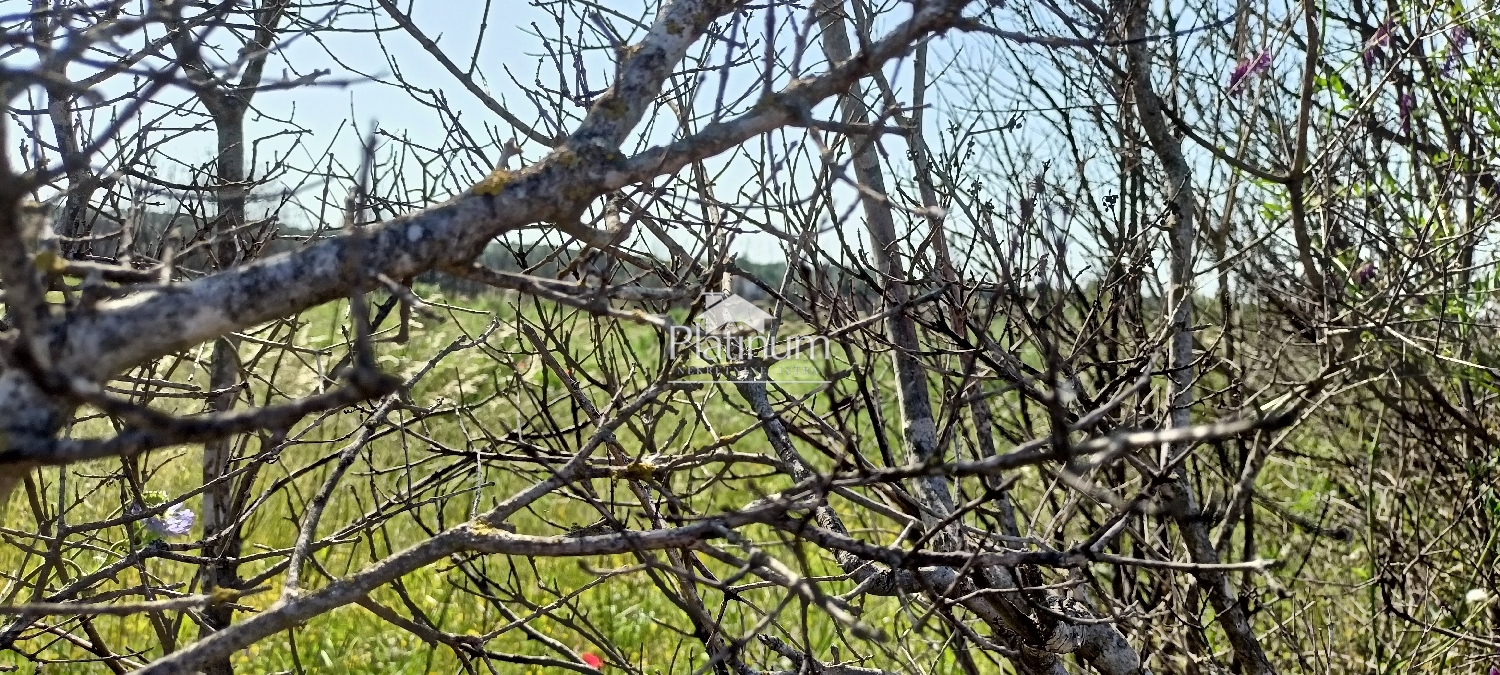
[(606, 605), (626, 609)]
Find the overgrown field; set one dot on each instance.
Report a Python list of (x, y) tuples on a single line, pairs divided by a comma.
[(610, 594), (483, 423)]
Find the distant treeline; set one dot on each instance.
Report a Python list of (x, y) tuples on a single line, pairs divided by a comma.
[(151, 234)]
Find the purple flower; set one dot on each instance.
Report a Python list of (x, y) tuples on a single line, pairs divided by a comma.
[(1404, 104), (1373, 51), (1364, 274), (1458, 37), (1242, 72), (1494, 670), (175, 522)]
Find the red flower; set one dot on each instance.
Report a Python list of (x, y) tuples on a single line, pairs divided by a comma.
[(594, 662)]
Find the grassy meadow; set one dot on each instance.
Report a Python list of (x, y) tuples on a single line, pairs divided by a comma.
[(626, 609), (604, 605)]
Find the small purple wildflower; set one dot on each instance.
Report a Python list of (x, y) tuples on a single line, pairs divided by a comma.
[(175, 522), (1494, 670), (1373, 51), (1245, 69), (1458, 37), (1404, 104), (1364, 275)]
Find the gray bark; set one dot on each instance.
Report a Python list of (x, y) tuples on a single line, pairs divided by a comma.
[(219, 513), (1179, 190), (918, 428), (1107, 650), (226, 104)]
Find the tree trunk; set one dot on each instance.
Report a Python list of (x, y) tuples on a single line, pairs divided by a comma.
[(918, 429), (220, 514), (1101, 645), (1168, 149)]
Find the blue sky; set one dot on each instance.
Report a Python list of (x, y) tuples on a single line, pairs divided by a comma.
[(338, 113), (341, 111), (510, 44)]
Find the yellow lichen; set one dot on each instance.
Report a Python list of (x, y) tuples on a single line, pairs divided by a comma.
[(765, 104), (47, 261), (637, 471), (612, 106), (674, 28), (484, 528), (577, 193), (493, 183)]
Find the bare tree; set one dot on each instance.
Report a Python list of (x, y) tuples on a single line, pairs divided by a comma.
[(1057, 351)]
